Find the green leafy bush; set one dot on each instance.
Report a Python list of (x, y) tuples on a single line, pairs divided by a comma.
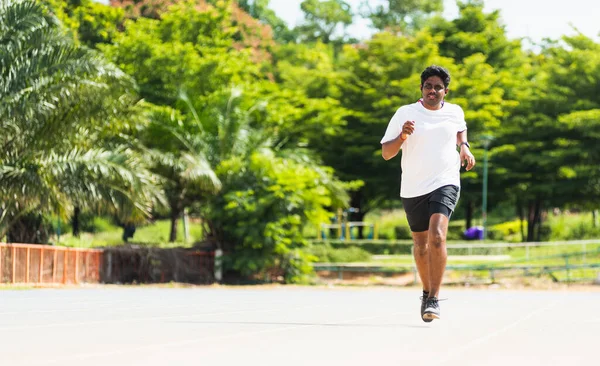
[(325, 253), (507, 231), (264, 206)]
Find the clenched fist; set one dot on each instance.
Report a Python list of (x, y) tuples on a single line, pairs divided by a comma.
[(407, 129)]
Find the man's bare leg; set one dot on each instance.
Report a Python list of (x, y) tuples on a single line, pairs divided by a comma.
[(438, 228), (421, 255)]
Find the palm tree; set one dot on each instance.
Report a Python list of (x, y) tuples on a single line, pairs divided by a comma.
[(186, 151), (59, 103), (178, 155)]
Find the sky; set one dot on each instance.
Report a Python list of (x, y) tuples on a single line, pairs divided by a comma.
[(535, 19)]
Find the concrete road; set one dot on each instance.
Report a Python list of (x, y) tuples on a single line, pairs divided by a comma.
[(296, 326)]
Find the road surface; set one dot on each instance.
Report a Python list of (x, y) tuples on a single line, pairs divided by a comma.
[(264, 326)]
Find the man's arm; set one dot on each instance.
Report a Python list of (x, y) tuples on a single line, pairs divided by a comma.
[(391, 148), (461, 137), (465, 152)]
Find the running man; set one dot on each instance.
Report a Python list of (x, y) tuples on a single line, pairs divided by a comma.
[(428, 132)]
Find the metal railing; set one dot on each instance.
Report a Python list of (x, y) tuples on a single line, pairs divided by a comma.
[(558, 259)]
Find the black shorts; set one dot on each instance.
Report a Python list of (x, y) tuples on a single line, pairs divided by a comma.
[(419, 209)]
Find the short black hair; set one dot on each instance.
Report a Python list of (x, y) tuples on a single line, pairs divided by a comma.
[(435, 70)]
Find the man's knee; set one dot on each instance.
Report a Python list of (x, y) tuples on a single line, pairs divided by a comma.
[(421, 248), (437, 237)]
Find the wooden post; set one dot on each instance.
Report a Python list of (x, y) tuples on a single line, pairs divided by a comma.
[(54, 265), (65, 257), (99, 265), (28, 262), (348, 231), (41, 271), (14, 264), (76, 276), (86, 264)]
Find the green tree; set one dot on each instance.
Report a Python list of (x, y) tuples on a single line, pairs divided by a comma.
[(89, 22), (475, 31), (259, 9), (57, 100), (268, 194), (323, 19), (186, 50), (178, 154), (546, 149), (401, 15)]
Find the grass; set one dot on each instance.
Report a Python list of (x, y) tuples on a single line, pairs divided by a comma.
[(536, 257), (154, 234)]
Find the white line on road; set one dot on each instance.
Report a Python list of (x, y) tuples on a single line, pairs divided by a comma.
[(149, 318)]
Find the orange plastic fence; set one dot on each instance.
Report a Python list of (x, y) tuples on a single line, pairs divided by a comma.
[(29, 263)]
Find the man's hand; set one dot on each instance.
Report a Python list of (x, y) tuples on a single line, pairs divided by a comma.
[(391, 148), (466, 156), (407, 129)]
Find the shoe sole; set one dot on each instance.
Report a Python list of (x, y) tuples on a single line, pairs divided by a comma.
[(430, 316)]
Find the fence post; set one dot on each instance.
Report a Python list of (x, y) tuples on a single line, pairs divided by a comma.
[(100, 264), (27, 262), (41, 269), (86, 264), (76, 275), (65, 257), (568, 268), (218, 265), (109, 267), (54, 264), (14, 264)]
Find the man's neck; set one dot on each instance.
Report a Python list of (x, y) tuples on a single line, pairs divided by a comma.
[(434, 107)]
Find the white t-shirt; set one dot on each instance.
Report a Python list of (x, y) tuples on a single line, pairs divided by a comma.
[(429, 156)]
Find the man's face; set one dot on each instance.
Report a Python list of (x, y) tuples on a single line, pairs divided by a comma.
[(433, 91)]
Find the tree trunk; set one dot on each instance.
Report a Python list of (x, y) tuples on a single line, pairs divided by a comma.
[(175, 215), (75, 221), (538, 236), (533, 220), (128, 231), (521, 219), (29, 229), (595, 218), (469, 214)]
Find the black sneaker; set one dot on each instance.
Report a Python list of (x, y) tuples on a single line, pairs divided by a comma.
[(432, 309), (424, 305)]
